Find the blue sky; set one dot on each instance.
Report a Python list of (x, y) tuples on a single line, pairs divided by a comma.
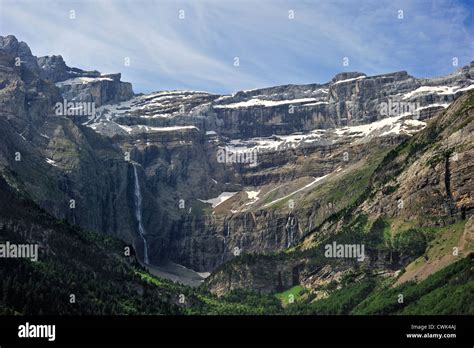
[(198, 52)]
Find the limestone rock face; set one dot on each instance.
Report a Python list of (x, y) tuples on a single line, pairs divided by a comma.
[(426, 181), (54, 159), (438, 184), (75, 85), (20, 51), (104, 89), (349, 99), (54, 69), (78, 85), (317, 148)]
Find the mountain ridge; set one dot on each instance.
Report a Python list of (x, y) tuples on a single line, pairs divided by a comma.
[(313, 145)]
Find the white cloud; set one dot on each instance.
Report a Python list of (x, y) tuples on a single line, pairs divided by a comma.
[(198, 52)]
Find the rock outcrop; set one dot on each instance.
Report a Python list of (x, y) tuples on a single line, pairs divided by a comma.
[(324, 143), (104, 89), (423, 183), (75, 85), (54, 69), (20, 51)]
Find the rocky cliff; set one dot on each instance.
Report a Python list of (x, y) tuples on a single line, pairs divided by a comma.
[(415, 211), (313, 149), (54, 69), (100, 90), (76, 85)]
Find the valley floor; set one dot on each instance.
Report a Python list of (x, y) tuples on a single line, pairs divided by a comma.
[(177, 273)]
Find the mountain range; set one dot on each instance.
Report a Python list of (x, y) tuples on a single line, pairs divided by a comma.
[(331, 198)]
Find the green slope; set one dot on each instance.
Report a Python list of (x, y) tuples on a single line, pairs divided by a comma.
[(449, 291), (94, 269)]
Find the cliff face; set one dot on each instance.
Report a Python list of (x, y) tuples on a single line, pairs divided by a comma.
[(75, 85), (20, 52), (54, 159), (349, 99), (78, 85), (436, 181), (422, 186), (100, 90), (54, 69), (324, 144)]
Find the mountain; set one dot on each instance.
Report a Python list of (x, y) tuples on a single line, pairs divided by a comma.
[(80, 272), (239, 195), (350, 99), (412, 208)]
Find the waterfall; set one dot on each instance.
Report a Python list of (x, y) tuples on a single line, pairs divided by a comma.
[(223, 249), (290, 229), (138, 215), (225, 239)]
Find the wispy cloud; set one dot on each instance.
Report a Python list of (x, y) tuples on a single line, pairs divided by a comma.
[(198, 52)]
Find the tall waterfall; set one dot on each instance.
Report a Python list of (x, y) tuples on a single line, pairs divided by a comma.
[(138, 215), (226, 234), (290, 229)]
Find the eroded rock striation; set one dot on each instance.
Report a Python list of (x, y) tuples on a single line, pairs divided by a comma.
[(316, 147)]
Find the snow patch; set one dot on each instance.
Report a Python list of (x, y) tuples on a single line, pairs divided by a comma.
[(204, 274), (366, 129), (299, 190), (265, 103), (349, 80), (252, 194), (442, 90), (317, 103), (51, 162), (219, 199), (81, 80)]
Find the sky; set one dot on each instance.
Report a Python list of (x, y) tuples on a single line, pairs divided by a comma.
[(223, 46)]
